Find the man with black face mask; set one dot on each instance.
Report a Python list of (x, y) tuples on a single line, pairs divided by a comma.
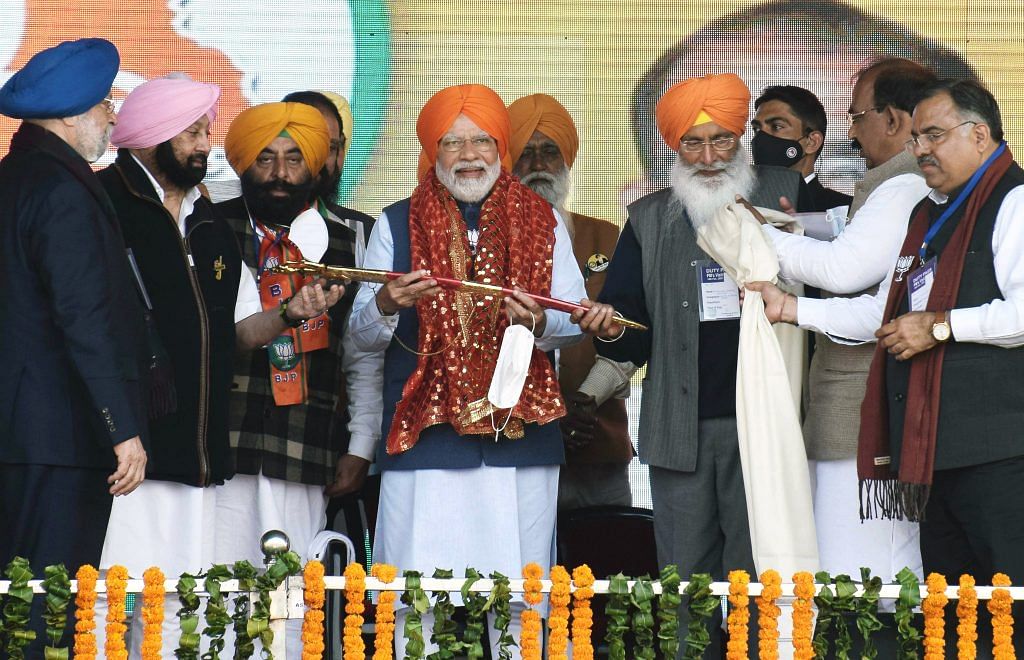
[(202, 304), (789, 131)]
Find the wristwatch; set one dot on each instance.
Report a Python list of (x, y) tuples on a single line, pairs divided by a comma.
[(940, 329), (283, 311)]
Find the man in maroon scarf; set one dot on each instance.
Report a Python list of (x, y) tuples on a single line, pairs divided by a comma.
[(940, 438)]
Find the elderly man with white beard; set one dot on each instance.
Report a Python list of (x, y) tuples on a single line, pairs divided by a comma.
[(543, 147), (470, 476), (660, 276)]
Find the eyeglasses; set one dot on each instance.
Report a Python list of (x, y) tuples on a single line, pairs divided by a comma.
[(724, 143), (108, 104), (480, 144), (931, 139), (853, 117)]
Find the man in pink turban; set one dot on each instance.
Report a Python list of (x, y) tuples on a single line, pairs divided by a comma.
[(688, 432), (202, 306), (469, 472)]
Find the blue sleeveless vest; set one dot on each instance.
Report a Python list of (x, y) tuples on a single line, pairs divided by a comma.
[(439, 446)]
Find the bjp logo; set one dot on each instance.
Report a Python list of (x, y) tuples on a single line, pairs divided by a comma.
[(256, 50)]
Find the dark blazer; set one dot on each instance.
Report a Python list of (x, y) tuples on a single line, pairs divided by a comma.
[(820, 198), (70, 316), (193, 309)]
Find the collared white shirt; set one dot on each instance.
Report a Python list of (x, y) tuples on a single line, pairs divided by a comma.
[(862, 255), (370, 332), (999, 323), (247, 301)]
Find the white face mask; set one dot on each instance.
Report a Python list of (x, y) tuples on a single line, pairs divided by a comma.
[(510, 371)]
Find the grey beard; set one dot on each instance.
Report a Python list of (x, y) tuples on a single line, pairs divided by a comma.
[(469, 190), (701, 196), (552, 187)]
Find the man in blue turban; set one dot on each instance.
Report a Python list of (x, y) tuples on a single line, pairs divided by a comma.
[(71, 421)]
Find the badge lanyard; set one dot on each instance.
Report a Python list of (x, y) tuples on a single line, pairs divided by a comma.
[(964, 194)]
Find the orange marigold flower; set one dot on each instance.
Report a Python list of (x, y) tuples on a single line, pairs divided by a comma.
[(85, 613), (934, 606), (1000, 605), (967, 614), (355, 596), (739, 616), (153, 596), (582, 614), (314, 594), (383, 643), (768, 616), (803, 617)]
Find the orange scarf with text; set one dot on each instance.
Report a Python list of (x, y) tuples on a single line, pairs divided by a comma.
[(288, 352), (460, 335)]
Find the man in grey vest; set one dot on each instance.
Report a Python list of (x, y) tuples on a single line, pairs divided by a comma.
[(688, 431), (855, 262)]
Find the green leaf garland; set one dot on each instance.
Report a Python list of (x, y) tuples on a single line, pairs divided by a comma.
[(668, 611), (617, 611), (444, 631), (246, 574), (641, 597), (217, 617), (416, 599), (701, 606), (16, 609), (476, 604), (500, 602), (57, 585), (908, 637)]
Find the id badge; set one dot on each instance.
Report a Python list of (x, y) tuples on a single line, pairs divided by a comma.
[(718, 293), (919, 285)]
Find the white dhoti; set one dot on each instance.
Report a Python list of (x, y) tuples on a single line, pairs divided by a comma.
[(845, 542), (163, 524), (487, 518)]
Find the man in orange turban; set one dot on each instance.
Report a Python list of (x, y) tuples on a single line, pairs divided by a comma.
[(470, 463), (596, 433), (287, 418), (688, 433)]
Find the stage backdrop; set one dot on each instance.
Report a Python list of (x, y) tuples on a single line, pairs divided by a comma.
[(606, 60)]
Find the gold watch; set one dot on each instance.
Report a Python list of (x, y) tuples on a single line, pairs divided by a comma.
[(940, 329)]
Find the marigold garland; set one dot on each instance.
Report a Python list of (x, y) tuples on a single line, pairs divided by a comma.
[(153, 596), (313, 595), (1000, 605), (739, 615), (934, 606), (355, 595), (582, 614), (967, 619), (384, 642), (529, 640), (117, 582), (768, 615), (558, 616), (85, 613), (803, 617)]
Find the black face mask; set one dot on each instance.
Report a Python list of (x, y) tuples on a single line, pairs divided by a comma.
[(771, 150)]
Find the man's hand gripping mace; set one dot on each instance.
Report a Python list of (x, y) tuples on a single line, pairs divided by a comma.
[(344, 273)]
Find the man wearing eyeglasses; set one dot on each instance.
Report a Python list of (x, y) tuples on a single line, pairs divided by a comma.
[(72, 423), (939, 433), (853, 263), (688, 432), (470, 477)]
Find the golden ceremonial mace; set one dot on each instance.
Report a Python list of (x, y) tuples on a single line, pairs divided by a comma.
[(474, 288)]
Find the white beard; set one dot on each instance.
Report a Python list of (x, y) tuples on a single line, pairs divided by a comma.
[(552, 187), (93, 136), (702, 196), (469, 190)]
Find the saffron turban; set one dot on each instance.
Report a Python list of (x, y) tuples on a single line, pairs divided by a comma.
[(723, 99), (62, 81), (255, 128), (478, 102), (160, 109), (345, 110), (540, 112)]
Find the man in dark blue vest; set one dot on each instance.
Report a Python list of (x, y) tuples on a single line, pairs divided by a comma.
[(470, 477)]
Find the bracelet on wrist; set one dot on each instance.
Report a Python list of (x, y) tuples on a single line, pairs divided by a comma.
[(613, 339), (283, 312)]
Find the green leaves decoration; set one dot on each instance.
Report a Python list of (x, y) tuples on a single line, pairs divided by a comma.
[(246, 574), (57, 585), (701, 606), (668, 611), (641, 597), (476, 604), (188, 618), (500, 602), (844, 606), (617, 611), (823, 624), (416, 599), (908, 637), (16, 609), (286, 563), (868, 622), (217, 617), (444, 630)]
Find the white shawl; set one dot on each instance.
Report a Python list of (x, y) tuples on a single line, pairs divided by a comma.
[(776, 479)]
